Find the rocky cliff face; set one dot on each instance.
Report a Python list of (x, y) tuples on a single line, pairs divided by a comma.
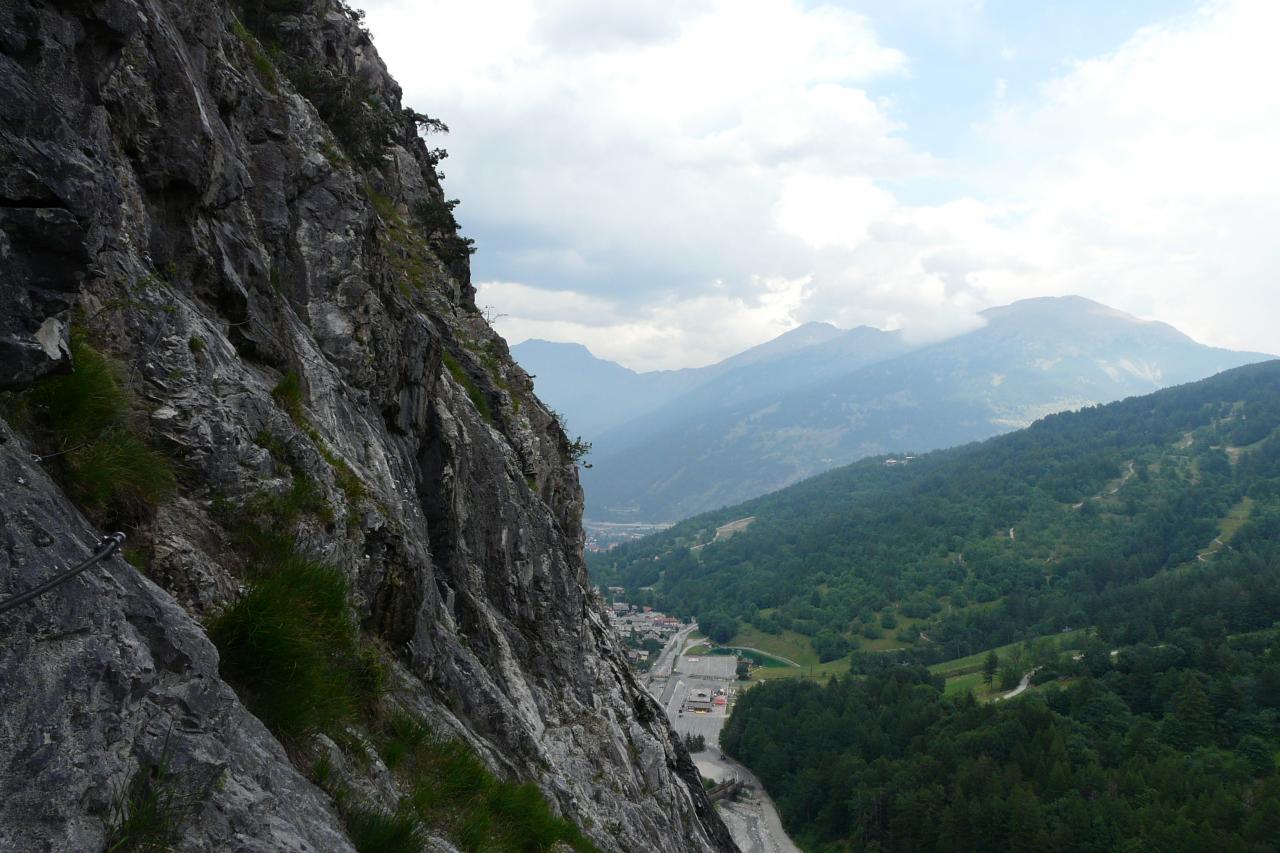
[(277, 272)]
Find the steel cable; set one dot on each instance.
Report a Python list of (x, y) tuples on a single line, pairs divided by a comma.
[(107, 546)]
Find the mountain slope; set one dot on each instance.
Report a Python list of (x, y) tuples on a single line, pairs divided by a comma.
[(743, 381), (596, 395), (1029, 359), (238, 325), (1035, 522), (1151, 725)]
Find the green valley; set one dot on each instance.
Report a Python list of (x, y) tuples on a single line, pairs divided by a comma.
[(1116, 569), (958, 551)]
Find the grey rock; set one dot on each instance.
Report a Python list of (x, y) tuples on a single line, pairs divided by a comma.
[(105, 677), (188, 193)]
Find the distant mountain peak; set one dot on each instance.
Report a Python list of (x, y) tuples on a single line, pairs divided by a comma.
[(814, 327), (1070, 304), (563, 346), (801, 337), (1074, 314)]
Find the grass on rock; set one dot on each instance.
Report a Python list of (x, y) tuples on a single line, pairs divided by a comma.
[(374, 830), (288, 395), (473, 391), (148, 813), (262, 526), (90, 427), (452, 789), (290, 646)]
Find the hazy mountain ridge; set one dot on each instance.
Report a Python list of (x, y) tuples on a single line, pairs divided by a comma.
[(759, 427), (597, 395)]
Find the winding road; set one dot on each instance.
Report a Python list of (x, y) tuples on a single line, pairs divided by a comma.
[(1021, 688)]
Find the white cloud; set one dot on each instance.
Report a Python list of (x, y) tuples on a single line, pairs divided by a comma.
[(641, 155), (1150, 174), (512, 299), (671, 332), (823, 211), (587, 25), (671, 182)]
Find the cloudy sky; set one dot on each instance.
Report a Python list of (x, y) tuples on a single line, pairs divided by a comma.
[(669, 182)]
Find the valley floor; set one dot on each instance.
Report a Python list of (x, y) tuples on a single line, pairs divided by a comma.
[(752, 818)]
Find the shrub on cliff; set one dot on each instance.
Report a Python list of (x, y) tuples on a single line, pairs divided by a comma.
[(363, 124)]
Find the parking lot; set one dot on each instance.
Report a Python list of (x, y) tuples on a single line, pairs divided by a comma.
[(717, 667), (713, 674)]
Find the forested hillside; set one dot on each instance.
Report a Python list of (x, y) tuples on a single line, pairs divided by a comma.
[(1074, 769), (962, 550), (1149, 527), (1163, 735)]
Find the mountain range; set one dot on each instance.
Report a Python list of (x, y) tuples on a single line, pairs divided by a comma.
[(670, 444)]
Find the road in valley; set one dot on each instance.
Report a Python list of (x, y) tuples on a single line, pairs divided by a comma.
[(665, 664), (752, 818)]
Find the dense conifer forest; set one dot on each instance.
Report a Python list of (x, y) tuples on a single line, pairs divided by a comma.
[(887, 762), (1164, 744)]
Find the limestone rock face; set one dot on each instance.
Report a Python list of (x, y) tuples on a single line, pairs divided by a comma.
[(166, 187), (108, 673)]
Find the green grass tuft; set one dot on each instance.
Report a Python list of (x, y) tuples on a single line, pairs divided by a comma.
[(85, 403), (374, 830), (87, 422), (262, 527), (473, 391), (290, 646), (288, 395), (148, 813), (140, 556), (370, 675), (119, 475), (454, 790), (523, 822), (402, 736), (262, 64), (346, 480), (333, 154)]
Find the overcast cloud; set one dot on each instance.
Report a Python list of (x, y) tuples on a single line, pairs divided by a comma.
[(671, 182)]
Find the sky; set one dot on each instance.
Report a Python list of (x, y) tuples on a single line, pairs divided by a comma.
[(671, 182)]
